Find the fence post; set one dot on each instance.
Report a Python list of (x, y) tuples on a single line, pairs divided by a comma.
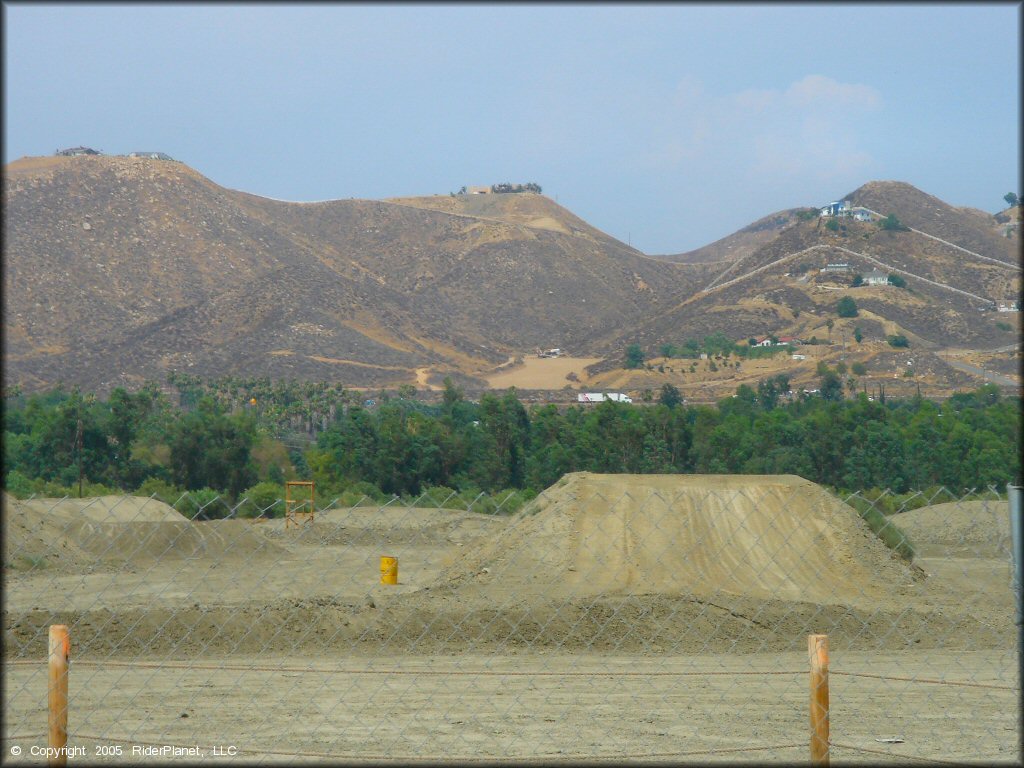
[(817, 647), (60, 652), (1017, 533)]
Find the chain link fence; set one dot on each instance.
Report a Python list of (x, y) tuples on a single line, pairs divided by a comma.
[(614, 617)]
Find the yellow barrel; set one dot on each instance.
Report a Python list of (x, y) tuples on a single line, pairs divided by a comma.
[(388, 570)]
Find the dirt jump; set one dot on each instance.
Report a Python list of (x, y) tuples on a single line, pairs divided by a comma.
[(596, 562), (614, 616)]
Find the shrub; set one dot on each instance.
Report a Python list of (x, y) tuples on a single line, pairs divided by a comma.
[(859, 369), (161, 490), (16, 484), (634, 357), (440, 496), (846, 307), (880, 525), (897, 281), (898, 340), (204, 504), (892, 224), (263, 499)]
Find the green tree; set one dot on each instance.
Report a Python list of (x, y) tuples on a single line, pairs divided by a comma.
[(858, 336), (670, 396), (898, 340), (892, 224), (634, 357), (846, 307), (897, 281), (210, 449), (1011, 199)]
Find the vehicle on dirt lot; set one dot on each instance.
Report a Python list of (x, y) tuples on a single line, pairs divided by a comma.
[(600, 397)]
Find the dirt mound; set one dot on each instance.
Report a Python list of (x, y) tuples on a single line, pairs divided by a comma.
[(963, 528), (80, 534), (757, 536)]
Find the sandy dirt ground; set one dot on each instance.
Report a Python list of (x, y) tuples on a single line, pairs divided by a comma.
[(618, 617), (543, 373)]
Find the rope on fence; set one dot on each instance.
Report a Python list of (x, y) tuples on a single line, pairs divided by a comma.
[(928, 680), (457, 759)]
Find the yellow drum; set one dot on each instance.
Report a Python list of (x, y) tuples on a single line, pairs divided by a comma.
[(388, 570)]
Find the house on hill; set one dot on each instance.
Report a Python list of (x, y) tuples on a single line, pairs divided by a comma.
[(861, 214), (151, 155), (839, 266), (478, 190), (76, 152), (876, 277), (836, 208), (1008, 306)]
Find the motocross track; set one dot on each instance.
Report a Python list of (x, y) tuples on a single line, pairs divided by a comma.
[(622, 617), (596, 563)]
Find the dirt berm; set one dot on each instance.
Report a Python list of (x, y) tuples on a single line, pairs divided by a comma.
[(775, 536)]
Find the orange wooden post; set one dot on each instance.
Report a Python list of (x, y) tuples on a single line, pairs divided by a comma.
[(817, 647), (60, 654)]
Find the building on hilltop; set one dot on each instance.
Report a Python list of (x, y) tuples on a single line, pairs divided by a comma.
[(838, 266), (837, 208), (76, 152), (151, 155), (478, 190), (876, 277)]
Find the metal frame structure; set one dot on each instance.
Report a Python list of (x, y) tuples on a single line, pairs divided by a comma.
[(293, 507)]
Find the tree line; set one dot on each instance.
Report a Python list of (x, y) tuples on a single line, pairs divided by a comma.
[(140, 442)]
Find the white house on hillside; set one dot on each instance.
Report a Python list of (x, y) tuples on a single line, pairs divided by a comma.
[(876, 277)]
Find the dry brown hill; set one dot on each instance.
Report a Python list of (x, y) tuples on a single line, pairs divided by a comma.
[(741, 243), (120, 269), (780, 287)]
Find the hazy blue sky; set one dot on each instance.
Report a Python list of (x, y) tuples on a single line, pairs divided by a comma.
[(665, 125)]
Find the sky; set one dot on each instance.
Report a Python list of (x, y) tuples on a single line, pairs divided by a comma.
[(667, 126)]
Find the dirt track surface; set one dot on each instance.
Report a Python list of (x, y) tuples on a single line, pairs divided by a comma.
[(602, 572)]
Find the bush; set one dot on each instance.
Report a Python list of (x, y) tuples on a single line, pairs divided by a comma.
[(204, 504), (897, 281), (846, 307), (859, 369), (16, 484), (440, 496), (872, 512), (161, 490), (264, 499), (892, 224), (634, 357), (898, 340)]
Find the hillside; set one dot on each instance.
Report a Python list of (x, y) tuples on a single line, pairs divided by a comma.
[(779, 287), (741, 243), (120, 269)]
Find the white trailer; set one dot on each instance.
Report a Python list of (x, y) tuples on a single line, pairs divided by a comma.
[(600, 397)]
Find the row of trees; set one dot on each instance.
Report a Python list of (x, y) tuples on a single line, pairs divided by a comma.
[(405, 447)]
